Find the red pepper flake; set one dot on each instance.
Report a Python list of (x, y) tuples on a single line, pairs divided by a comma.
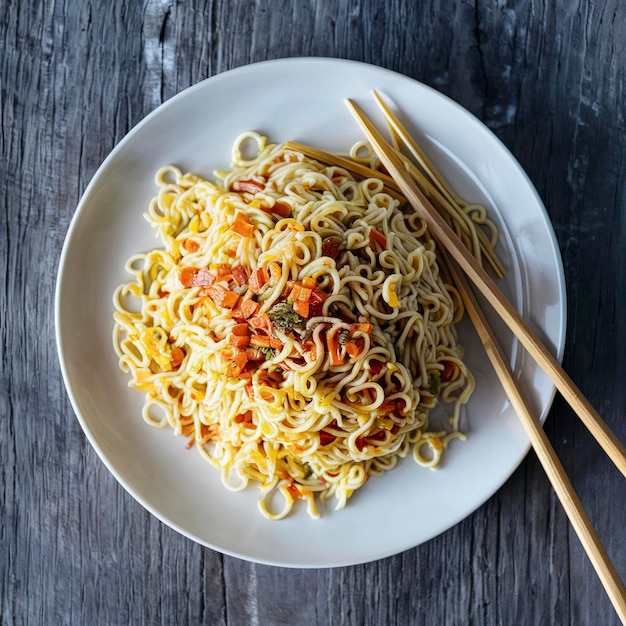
[(249, 186)]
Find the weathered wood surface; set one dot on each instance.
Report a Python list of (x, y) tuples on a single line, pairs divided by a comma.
[(547, 76)]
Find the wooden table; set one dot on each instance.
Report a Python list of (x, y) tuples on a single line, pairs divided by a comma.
[(547, 76)]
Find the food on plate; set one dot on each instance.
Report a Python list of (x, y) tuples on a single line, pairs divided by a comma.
[(295, 326)]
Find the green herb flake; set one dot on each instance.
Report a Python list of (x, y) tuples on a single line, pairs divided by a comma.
[(434, 382), (268, 353), (284, 317)]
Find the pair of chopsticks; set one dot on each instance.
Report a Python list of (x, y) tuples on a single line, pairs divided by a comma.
[(461, 258)]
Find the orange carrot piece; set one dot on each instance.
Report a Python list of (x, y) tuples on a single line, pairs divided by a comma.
[(353, 349), (301, 307), (240, 275), (265, 341), (366, 328), (239, 341), (261, 322), (236, 363), (190, 245), (258, 278), (242, 225), (282, 209), (223, 297), (178, 355), (186, 276)]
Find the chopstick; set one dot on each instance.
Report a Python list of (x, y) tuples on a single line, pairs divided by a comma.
[(543, 448), (450, 241)]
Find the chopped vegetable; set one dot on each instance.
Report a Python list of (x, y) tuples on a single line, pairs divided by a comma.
[(250, 186), (222, 297), (366, 328), (240, 336), (242, 225), (190, 245), (284, 316), (330, 247), (240, 275), (282, 209), (178, 356), (265, 341), (434, 382), (378, 238), (245, 309), (258, 278), (194, 277), (261, 322), (268, 353), (353, 349)]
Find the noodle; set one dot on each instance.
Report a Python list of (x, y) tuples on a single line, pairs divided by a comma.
[(295, 326)]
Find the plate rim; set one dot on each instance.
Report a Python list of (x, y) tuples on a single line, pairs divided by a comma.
[(101, 171)]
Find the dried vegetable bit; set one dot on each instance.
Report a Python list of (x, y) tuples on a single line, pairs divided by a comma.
[(330, 247), (242, 225), (248, 186)]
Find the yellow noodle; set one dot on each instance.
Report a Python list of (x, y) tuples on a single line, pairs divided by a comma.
[(344, 390)]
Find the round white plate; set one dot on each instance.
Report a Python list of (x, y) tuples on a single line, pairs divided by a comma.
[(301, 100)]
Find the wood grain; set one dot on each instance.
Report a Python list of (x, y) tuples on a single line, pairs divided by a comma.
[(548, 77)]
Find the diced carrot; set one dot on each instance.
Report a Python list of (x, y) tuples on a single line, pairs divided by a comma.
[(194, 277), (190, 245), (186, 276), (318, 297), (250, 186), (282, 209), (261, 322), (377, 237), (254, 354), (242, 225), (258, 278), (236, 363), (223, 297), (265, 341), (240, 275), (301, 307), (204, 278), (178, 356), (334, 349), (352, 348), (366, 328), (245, 308), (239, 341)]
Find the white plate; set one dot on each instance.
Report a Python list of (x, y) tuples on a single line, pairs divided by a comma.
[(299, 99)]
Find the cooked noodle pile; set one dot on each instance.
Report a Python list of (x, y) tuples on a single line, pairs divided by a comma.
[(295, 326)]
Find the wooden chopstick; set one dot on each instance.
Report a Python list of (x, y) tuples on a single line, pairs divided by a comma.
[(543, 448), (449, 240)]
